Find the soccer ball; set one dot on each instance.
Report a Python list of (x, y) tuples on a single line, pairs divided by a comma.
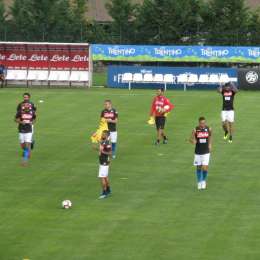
[(162, 109), (66, 204), (166, 107)]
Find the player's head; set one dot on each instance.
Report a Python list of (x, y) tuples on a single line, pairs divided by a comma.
[(26, 97), (105, 135), (108, 104), (202, 122), (160, 91), (227, 86)]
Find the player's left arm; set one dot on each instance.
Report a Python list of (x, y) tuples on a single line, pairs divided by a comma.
[(169, 104), (34, 108), (34, 118), (234, 88), (210, 139)]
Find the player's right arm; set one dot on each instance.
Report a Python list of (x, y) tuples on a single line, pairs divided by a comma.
[(17, 117), (153, 108), (220, 89), (193, 137)]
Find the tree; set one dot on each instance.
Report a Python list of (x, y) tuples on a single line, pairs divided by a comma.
[(2, 20), (226, 22), (21, 23), (168, 21), (2, 13), (48, 20), (254, 28), (123, 14), (79, 20)]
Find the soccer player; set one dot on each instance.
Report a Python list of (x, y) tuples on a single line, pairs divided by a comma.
[(26, 99), (111, 116), (228, 91), (25, 117), (2, 74), (202, 138), (105, 151), (160, 107)]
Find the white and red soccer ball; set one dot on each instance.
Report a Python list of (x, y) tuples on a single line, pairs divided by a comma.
[(66, 204)]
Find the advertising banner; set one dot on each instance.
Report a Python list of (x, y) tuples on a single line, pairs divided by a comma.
[(212, 77), (44, 56), (249, 79), (147, 53)]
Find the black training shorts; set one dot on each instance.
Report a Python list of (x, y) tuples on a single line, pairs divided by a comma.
[(160, 122)]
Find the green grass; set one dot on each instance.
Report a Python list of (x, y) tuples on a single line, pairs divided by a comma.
[(155, 211), (99, 79)]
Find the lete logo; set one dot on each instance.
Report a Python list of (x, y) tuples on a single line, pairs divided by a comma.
[(251, 77)]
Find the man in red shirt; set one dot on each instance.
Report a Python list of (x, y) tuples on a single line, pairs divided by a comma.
[(160, 107)]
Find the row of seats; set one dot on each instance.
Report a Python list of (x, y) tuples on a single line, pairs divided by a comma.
[(46, 75), (170, 78)]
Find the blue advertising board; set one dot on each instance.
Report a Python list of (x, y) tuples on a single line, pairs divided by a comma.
[(147, 53), (192, 77)]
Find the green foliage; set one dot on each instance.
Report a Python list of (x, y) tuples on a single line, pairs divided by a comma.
[(168, 21), (122, 12), (254, 27), (2, 14), (52, 20), (226, 22), (214, 22)]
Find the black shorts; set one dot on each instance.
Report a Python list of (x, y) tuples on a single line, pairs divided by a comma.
[(160, 122)]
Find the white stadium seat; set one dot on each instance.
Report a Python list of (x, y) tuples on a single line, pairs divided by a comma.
[(83, 76), (138, 77), (214, 79), (53, 76), (148, 77), (193, 78), (127, 77), (38, 75), (79, 76), (59, 75), (183, 78), (74, 76), (158, 78), (43, 75), (204, 78), (168, 78), (18, 75)]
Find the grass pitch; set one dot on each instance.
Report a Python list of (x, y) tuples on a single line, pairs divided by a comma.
[(155, 211)]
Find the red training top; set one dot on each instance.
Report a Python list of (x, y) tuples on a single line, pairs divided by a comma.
[(159, 103)]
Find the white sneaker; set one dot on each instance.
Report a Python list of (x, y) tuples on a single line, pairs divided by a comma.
[(199, 185), (204, 185)]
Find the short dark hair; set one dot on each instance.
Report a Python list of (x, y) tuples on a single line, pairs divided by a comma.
[(162, 89), (228, 84), (26, 94), (202, 118), (106, 132), (108, 101)]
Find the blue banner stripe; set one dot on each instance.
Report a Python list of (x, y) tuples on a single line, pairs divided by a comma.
[(175, 53)]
